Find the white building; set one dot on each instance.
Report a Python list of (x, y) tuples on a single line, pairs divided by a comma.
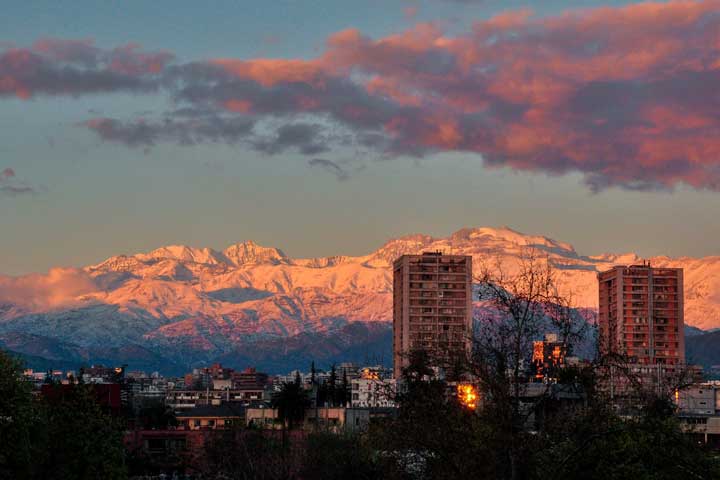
[(373, 392)]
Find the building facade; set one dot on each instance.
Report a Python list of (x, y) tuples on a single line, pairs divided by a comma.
[(548, 357), (432, 307), (641, 314), (372, 393)]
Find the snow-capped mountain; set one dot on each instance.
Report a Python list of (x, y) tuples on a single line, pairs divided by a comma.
[(195, 304)]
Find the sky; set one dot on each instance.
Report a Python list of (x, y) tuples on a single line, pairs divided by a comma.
[(329, 127)]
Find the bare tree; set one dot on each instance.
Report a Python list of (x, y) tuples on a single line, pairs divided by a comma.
[(518, 307)]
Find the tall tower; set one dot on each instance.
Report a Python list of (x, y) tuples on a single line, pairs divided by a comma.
[(432, 306), (641, 314)]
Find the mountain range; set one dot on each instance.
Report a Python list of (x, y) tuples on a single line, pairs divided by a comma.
[(179, 306)]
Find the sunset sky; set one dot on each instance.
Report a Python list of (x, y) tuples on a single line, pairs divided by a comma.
[(328, 127)]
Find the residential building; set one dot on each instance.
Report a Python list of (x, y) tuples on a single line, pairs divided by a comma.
[(249, 379), (699, 411), (432, 307), (372, 392), (641, 314), (336, 419), (548, 356), (186, 399), (211, 417)]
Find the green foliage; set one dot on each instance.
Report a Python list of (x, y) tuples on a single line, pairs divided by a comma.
[(67, 439), (291, 402), (245, 454), (433, 436), (331, 456), (86, 443), (19, 420), (593, 443)]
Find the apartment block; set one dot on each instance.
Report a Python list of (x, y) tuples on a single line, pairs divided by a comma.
[(641, 314), (432, 307)]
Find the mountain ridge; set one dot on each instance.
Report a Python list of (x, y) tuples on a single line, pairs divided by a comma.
[(198, 303)]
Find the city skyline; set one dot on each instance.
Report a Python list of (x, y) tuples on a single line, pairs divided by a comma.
[(113, 141)]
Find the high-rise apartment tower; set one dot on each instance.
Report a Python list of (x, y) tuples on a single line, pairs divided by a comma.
[(432, 307), (641, 314)]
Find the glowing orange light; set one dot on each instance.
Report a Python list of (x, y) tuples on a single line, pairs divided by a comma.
[(370, 374), (467, 396), (538, 351)]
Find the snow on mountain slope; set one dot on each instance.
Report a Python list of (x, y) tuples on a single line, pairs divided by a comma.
[(197, 302)]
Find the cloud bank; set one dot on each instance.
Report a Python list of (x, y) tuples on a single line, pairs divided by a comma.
[(59, 287), (627, 97)]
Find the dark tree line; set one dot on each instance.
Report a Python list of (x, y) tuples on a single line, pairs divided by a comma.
[(69, 437)]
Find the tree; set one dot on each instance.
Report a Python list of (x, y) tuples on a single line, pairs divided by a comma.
[(344, 392), (69, 437), (332, 456), (19, 422), (246, 454), (91, 440), (519, 307), (331, 392), (593, 442), (432, 436), (291, 402)]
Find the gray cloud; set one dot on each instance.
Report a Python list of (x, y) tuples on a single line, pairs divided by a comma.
[(76, 67), (330, 166), (147, 133), (304, 137)]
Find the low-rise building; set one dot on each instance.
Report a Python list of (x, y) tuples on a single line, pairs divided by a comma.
[(263, 418), (699, 411), (184, 399), (336, 419), (211, 417), (372, 392)]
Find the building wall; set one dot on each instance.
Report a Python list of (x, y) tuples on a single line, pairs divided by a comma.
[(641, 314), (432, 306), (208, 423), (372, 393)]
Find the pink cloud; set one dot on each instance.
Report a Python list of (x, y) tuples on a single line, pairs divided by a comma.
[(624, 96), (77, 67), (58, 287)]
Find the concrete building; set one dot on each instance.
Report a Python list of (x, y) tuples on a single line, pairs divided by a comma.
[(372, 392), (548, 357), (641, 314), (699, 411), (432, 307), (185, 399), (211, 417), (334, 419)]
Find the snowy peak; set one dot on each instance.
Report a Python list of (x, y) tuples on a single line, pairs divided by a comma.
[(507, 236), (408, 244), (249, 252), (474, 241), (184, 254), (118, 263)]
